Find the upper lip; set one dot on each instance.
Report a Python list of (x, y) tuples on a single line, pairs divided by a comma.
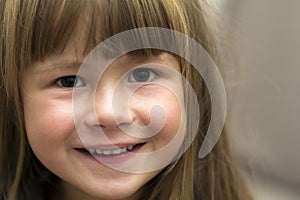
[(110, 146)]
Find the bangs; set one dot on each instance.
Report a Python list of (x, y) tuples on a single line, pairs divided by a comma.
[(56, 22)]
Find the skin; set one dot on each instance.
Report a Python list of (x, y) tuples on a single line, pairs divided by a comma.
[(53, 137)]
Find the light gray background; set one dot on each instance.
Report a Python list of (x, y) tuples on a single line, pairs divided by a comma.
[(265, 108)]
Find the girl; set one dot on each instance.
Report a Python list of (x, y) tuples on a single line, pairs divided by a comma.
[(42, 155)]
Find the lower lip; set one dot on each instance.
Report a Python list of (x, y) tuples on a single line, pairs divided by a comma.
[(111, 159)]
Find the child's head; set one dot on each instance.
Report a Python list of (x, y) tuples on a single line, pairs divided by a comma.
[(42, 46)]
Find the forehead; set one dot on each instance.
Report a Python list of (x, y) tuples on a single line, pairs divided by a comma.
[(72, 60)]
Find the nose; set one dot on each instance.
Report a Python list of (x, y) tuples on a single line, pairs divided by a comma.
[(110, 108)]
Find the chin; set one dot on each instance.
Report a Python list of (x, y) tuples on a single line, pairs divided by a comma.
[(114, 195), (126, 191)]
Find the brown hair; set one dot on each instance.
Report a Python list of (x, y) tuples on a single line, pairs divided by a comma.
[(33, 29)]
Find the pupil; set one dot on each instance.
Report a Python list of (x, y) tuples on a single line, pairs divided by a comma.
[(141, 75), (68, 81)]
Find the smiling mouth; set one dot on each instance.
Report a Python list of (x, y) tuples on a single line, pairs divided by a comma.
[(116, 151)]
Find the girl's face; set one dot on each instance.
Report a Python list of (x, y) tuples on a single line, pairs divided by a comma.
[(47, 94)]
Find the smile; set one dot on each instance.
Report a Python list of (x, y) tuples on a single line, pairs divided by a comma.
[(110, 152), (117, 151)]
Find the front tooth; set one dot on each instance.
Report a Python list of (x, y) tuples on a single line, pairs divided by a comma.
[(99, 151), (116, 151), (130, 148), (107, 152), (124, 149)]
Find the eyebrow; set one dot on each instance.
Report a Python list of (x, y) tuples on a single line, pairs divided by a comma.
[(58, 65)]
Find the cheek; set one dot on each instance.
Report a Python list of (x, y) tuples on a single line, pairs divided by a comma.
[(48, 124), (172, 117)]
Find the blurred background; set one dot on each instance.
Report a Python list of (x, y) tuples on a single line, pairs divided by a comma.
[(265, 113)]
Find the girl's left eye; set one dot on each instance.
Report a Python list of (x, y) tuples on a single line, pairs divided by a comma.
[(142, 75), (70, 81)]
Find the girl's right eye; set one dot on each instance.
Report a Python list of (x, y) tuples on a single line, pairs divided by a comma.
[(70, 81)]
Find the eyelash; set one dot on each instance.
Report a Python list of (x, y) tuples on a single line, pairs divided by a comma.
[(151, 74), (76, 81)]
